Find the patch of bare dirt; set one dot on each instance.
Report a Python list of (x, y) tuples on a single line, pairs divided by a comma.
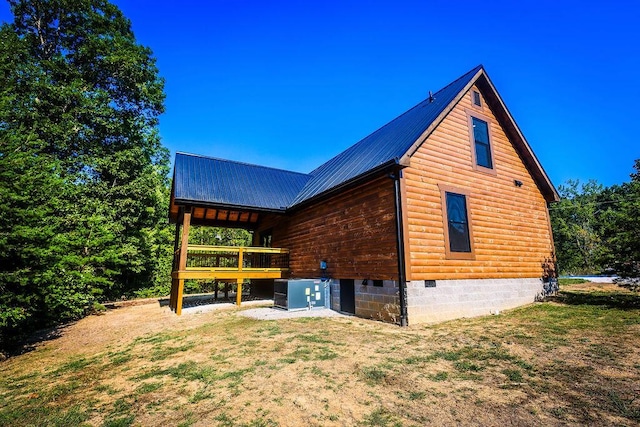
[(593, 286)]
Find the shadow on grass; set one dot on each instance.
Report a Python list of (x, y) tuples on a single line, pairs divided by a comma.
[(20, 344), (619, 300), (208, 299)]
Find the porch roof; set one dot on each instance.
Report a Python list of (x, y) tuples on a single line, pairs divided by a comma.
[(207, 181)]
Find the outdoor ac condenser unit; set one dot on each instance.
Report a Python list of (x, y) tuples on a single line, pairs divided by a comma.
[(299, 294)]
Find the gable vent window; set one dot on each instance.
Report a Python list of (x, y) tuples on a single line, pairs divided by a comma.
[(476, 98), (481, 141)]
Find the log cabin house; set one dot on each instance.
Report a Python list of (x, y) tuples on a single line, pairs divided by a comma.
[(439, 214)]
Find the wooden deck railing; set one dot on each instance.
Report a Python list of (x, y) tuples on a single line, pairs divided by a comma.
[(225, 263), (236, 259)]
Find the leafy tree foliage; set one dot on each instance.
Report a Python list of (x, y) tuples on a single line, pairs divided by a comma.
[(202, 235), (575, 230), (621, 225), (597, 228), (83, 173)]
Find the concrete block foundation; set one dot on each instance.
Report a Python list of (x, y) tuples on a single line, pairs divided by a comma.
[(453, 299)]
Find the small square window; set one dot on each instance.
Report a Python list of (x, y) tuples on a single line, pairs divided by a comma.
[(476, 98), (377, 283)]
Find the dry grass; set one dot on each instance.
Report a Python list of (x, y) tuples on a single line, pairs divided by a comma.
[(572, 361)]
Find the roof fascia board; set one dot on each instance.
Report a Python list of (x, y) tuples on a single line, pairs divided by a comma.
[(198, 203), (405, 160), (528, 151)]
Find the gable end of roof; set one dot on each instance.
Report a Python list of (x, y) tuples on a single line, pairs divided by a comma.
[(516, 136), (390, 143)]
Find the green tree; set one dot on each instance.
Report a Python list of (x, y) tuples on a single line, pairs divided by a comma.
[(621, 226), (219, 236), (84, 175), (576, 232)]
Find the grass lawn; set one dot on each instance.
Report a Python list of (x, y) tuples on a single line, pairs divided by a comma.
[(574, 360)]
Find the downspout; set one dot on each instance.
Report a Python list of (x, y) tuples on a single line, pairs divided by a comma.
[(402, 274)]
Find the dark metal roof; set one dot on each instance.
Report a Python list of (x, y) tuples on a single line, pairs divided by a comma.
[(223, 182), (387, 144), (212, 181)]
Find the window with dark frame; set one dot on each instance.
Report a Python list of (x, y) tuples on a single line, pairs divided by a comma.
[(482, 145), (476, 98), (265, 238), (458, 223)]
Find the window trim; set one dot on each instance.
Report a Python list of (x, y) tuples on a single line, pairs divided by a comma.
[(474, 162), (444, 189), (473, 98)]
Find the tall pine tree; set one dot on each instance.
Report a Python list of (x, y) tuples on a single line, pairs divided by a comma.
[(83, 172)]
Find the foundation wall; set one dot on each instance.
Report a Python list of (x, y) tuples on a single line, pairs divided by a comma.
[(453, 299)]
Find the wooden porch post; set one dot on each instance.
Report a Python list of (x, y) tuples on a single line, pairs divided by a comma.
[(174, 267), (186, 223), (239, 281), (239, 292)]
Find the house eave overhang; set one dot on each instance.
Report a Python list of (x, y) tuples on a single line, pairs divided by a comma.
[(215, 205), (389, 166), (179, 205)]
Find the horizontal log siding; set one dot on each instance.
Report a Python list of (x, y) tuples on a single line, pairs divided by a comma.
[(353, 231), (510, 228)]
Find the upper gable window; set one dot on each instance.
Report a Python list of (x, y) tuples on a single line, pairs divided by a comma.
[(481, 142), (475, 98)]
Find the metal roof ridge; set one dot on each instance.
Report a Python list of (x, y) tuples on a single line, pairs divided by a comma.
[(473, 71), (389, 123)]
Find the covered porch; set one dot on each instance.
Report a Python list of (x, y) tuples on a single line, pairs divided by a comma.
[(213, 192), (220, 263)]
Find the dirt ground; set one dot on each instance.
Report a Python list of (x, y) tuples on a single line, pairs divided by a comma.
[(546, 364), (593, 287), (127, 322)]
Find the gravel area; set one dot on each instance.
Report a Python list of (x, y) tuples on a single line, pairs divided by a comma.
[(262, 313), (270, 313), (203, 307)]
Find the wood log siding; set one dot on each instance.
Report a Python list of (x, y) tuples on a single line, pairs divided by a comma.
[(510, 228), (353, 231)]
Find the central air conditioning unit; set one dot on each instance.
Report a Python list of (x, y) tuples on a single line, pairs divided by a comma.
[(300, 294)]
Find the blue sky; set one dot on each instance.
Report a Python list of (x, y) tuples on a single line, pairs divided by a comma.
[(290, 84)]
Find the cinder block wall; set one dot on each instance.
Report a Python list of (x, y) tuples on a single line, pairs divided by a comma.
[(378, 302), (334, 296), (452, 299), (372, 302)]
